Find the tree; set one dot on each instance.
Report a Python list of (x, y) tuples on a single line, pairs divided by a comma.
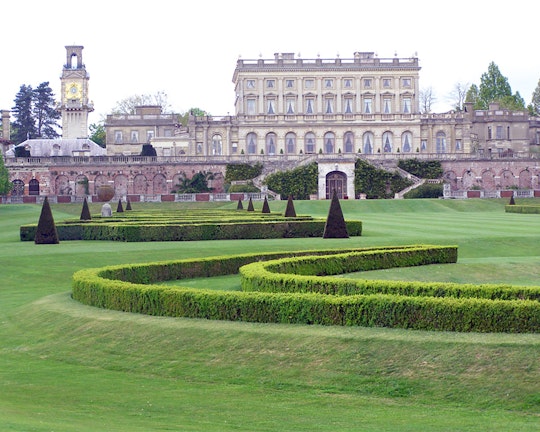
[(427, 99), (24, 126), (183, 118), (127, 105), (458, 95), (534, 107), (473, 95), (97, 133), (35, 114), (45, 113), (494, 87), (5, 184)]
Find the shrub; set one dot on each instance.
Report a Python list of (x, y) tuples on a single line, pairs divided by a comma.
[(46, 229), (266, 206), (427, 190), (238, 172), (431, 169), (85, 212), (335, 226), (377, 183), (289, 210), (119, 208)]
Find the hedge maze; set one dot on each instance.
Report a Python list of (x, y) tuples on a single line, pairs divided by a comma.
[(303, 287)]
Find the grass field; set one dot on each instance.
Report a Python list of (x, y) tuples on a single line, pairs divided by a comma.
[(68, 367)]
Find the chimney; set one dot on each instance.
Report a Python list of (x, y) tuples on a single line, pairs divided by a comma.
[(5, 125)]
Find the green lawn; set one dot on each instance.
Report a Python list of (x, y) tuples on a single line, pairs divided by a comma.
[(66, 367)]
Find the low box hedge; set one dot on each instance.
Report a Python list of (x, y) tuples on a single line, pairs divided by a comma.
[(129, 288), (526, 209)]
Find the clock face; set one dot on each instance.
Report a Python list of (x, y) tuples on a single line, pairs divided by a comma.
[(73, 91)]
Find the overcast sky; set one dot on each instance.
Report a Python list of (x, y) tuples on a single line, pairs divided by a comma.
[(189, 49)]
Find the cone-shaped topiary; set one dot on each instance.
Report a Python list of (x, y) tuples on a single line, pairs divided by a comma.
[(335, 226), (290, 211), (119, 208), (266, 206), (250, 205), (128, 205), (512, 202), (85, 213), (239, 206), (46, 230)]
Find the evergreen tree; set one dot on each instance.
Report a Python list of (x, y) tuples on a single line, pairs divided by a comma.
[(24, 126), (35, 114), (5, 184), (128, 205), (266, 206), (335, 226), (119, 207), (239, 206), (534, 108), (250, 205), (46, 232), (44, 112), (85, 212), (290, 211)]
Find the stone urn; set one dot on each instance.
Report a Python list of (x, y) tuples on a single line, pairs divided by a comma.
[(105, 193)]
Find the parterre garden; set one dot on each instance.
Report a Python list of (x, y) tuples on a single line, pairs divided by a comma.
[(289, 375)]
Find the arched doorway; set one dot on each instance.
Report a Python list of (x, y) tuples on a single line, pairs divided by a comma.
[(33, 187), (336, 180)]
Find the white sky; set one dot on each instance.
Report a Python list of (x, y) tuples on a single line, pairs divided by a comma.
[(189, 49)]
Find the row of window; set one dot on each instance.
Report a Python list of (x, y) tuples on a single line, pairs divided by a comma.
[(329, 105), (134, 135), (328, 83), (367, 145)]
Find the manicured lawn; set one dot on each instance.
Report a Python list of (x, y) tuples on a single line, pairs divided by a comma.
[(65, 366)]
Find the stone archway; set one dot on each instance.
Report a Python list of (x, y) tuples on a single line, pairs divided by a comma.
[(336, 181)]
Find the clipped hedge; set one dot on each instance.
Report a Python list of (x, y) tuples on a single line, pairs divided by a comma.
[(189, 225), (413, 305), (170, 231), (525, 209)]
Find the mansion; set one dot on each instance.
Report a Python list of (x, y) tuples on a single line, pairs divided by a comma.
[(364, 105), (288, 111)]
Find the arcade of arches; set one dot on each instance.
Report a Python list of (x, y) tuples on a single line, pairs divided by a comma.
[(163, 179)]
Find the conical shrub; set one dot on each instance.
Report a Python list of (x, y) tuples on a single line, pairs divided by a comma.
[(128, 205), (239, 206), (250, 205), (512, 202), (335, 226), (85, 213), (289, 210), (46, 230), (266, 206), (119, 208)]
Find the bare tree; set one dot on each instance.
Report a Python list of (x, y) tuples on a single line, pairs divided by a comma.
[(458, 94), (127, 105), (427, 99)]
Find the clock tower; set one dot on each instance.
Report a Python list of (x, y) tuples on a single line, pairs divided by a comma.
[(74, 104)]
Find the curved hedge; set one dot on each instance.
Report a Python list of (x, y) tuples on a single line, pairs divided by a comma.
[(303, 298)]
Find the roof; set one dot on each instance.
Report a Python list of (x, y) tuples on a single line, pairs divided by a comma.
[(60, 147)]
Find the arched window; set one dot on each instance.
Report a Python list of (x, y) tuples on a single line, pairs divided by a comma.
[(271, 143), (251, 143), (33, 187), (290, 143), (18, 188), (309, 145), (329, 142), (387, 142), (348, 142), (406, 142), (217, 146), (440, 142), (368, 142)]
